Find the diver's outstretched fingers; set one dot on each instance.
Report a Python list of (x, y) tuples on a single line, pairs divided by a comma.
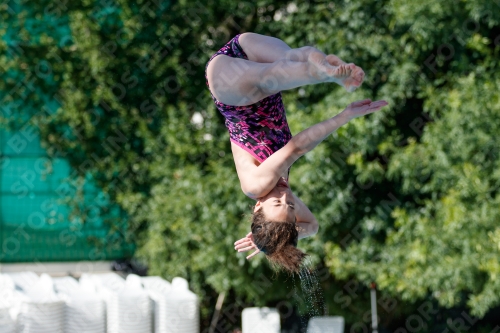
[(253, 254), (246, 238), (361, 108), (240, 247), (376, 106), (363, 102), (244, 243), (248, 248)]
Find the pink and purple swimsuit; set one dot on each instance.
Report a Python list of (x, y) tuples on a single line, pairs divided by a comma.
[(260, 128)]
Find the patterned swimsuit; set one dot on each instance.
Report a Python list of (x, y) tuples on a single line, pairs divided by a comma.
[(260, 128)]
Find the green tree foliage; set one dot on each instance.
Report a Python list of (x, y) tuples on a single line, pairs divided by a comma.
[(407, 197)]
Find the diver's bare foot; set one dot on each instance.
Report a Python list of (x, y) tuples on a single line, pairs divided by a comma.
[(323, 71), (354, 81), (334, 60), (357, 75)]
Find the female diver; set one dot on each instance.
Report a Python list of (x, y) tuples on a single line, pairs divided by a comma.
[(245, 78)]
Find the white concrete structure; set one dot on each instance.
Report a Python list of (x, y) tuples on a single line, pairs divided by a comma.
[(327, 324), (96, 303), (260, 320)]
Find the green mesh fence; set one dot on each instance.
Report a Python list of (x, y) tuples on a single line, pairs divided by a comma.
[(38, 221)]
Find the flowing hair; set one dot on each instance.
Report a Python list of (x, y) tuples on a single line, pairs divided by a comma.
[(278, 241)]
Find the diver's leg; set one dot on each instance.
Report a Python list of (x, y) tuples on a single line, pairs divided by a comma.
[(265, 49), (240, 82)]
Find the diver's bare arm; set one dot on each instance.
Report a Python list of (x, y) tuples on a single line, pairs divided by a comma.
[(306, 222), (264, 177), (309, 138)]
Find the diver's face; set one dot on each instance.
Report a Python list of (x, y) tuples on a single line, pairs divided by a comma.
[(279, 204)]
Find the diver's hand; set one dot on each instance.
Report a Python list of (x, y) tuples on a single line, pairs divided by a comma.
[(364, 107), (246, 244)]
